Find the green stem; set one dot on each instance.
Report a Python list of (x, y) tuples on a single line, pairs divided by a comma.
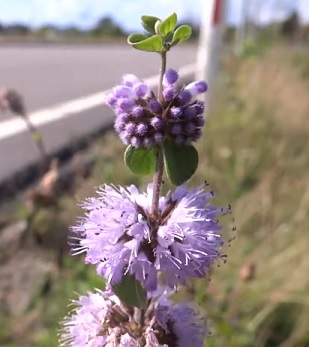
[(38, 142), (157, 178), (162, 72)]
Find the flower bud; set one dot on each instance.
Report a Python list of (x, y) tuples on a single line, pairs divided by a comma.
[(157, 27), (196, 88), (154, 106), (170, 77)]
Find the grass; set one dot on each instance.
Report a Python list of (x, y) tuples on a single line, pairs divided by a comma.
[(254, 154)]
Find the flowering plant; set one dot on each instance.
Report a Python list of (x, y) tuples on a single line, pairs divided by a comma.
[(145, 244)]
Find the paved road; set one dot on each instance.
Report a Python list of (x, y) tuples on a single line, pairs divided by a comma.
[(50, 75)]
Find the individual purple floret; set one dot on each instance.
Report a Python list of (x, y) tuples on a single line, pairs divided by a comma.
[(197, 135), (119, 125), (138, 112), (125, 105), (130, 80), (200, 107), (176, 113), (125, 137), (99, 320), (158, 137), (141, 129), (141, 90), (154, 106), (188, 328), (157, 122), (196, 88), (136, 141), (169, 93), (130, 128), (190, 112), (183, 98), (199, 121), (189, 128), (176, 129), (123, 92), (119, 235), (170, 77), (111, 100), (148, 142)]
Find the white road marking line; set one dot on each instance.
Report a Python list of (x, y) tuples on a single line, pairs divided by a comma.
[(16, 125)]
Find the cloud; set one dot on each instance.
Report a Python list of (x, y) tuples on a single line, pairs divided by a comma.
[(85, 12), (127, 12), (303, 10)]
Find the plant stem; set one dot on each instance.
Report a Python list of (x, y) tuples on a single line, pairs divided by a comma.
[(38, 142), (157, 182), (157, 178), (162, 72)]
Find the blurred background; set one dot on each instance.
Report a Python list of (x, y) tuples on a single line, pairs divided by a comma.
[(58, 58)]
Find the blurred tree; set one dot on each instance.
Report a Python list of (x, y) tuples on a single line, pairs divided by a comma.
[(72, 31), (292, 28), (47, 31), (16, 29), (107, 27)]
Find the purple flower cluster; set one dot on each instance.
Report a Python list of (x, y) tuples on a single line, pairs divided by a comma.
[(119, 235), (100, 320), (142, 121)]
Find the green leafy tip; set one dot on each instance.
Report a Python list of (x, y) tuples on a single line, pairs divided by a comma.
[(181, 34), (168, 25), (148, 44), (135, 38), (149, 22)]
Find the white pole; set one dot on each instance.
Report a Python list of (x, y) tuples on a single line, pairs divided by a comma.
[(210, 40)]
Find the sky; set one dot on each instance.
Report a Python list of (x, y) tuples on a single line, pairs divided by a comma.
[(85, 13)]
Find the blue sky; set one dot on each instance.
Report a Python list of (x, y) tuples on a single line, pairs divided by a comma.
[(127, 12)]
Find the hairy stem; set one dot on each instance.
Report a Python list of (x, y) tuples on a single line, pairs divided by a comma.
[(157, 178)]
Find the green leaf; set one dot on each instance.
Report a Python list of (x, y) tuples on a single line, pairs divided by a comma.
[(150, 44), (134, 38), (181, 34), (181, 161), (148, 22), (168, 25), (141, 161), (131, 292)]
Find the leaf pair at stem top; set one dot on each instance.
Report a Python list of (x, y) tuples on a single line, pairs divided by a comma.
[(163, 34)]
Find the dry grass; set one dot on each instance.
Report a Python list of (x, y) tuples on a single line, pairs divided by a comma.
[(256, 154)]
